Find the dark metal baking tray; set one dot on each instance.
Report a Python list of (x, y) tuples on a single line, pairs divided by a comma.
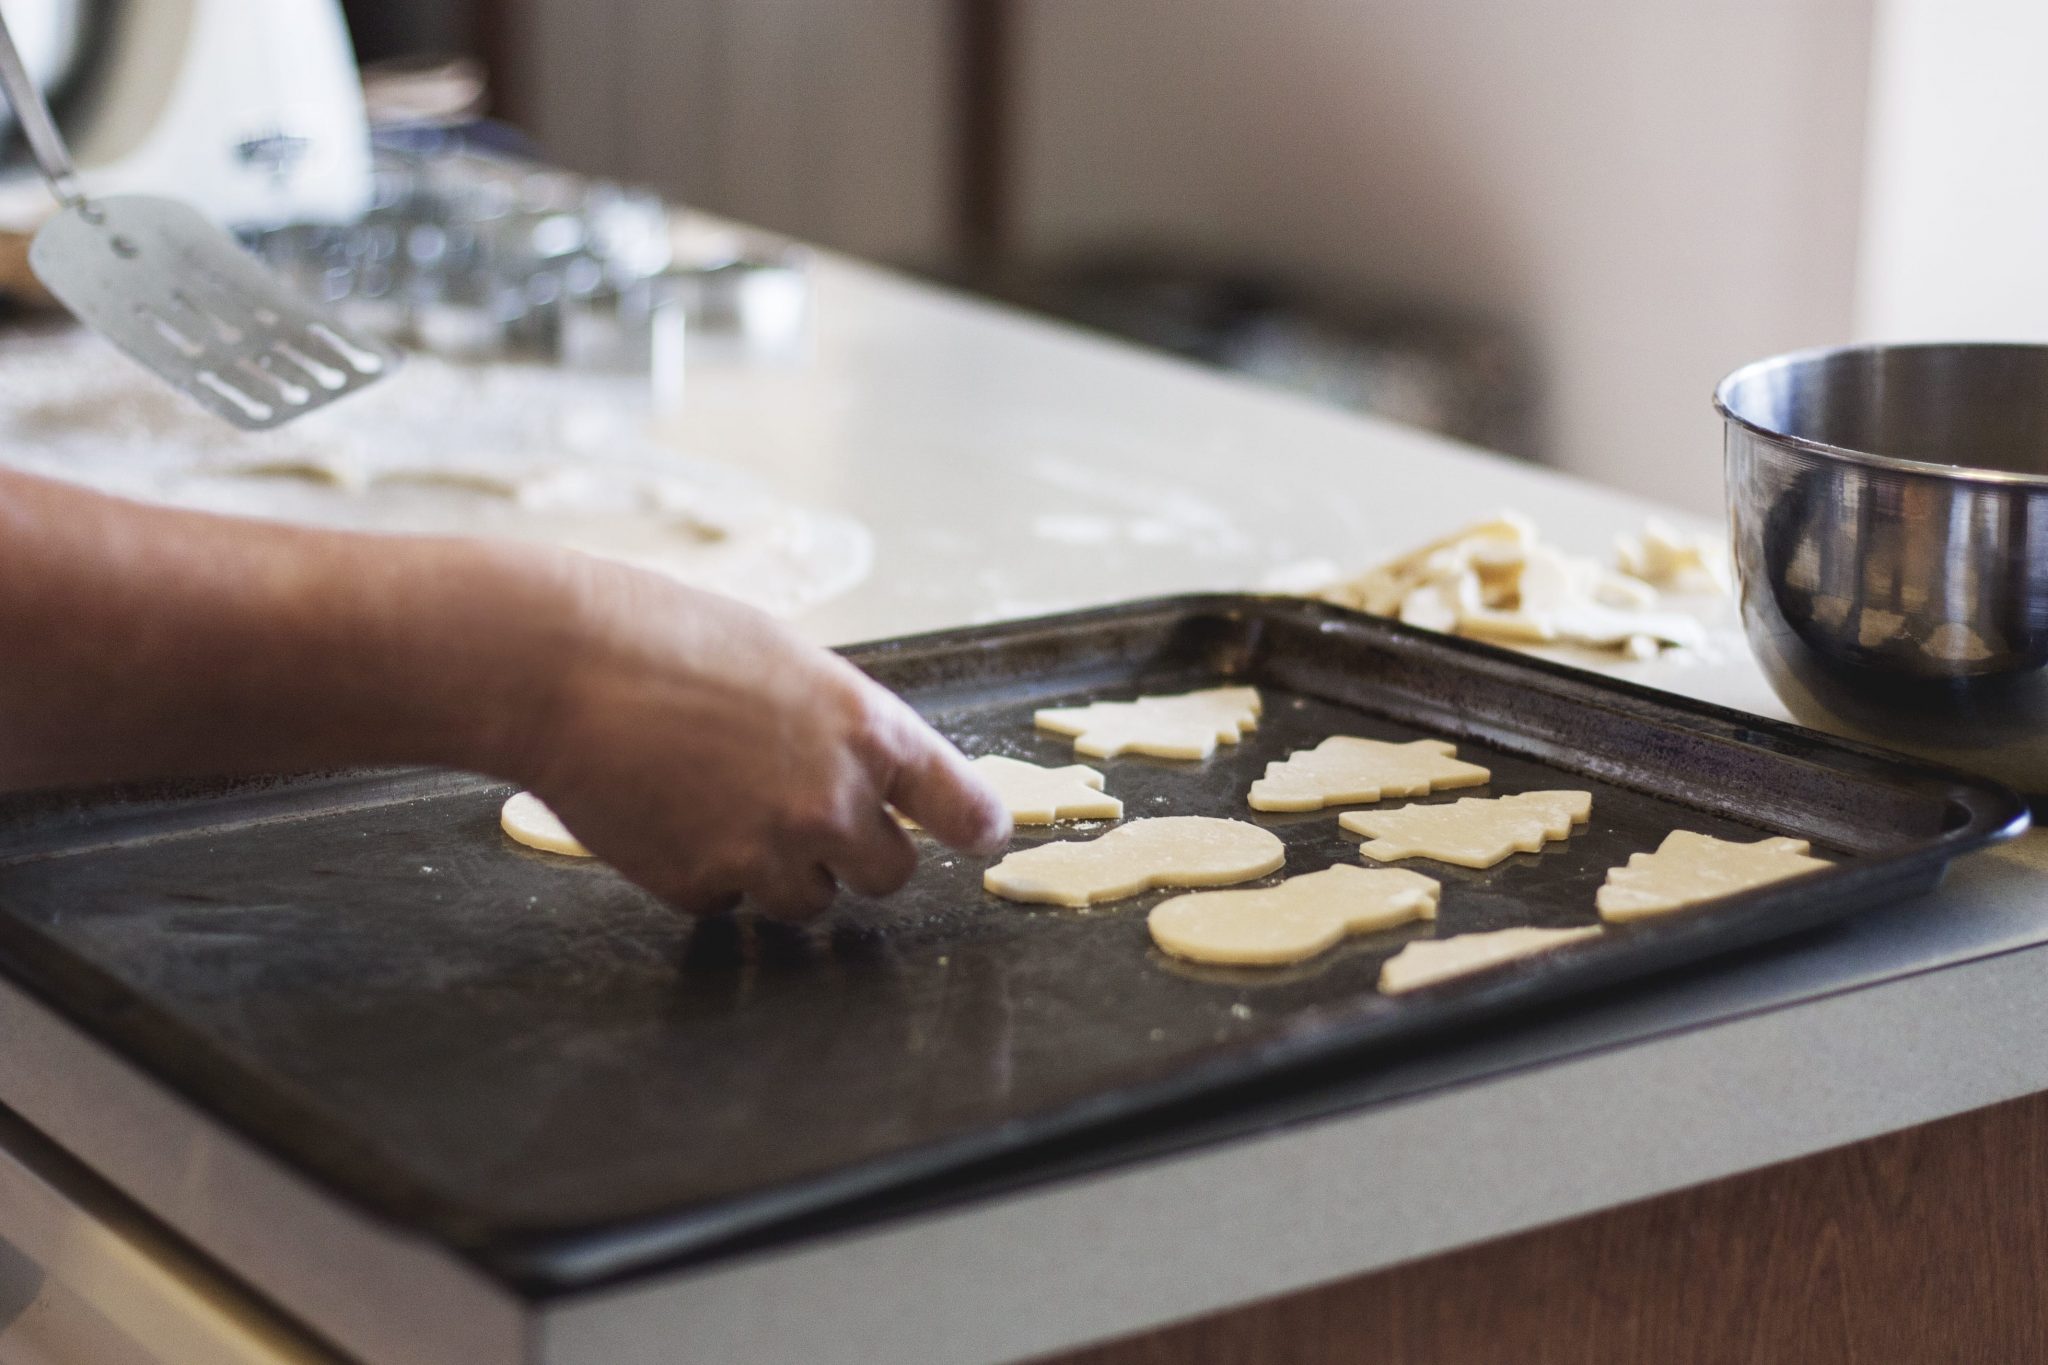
[(522, 1056)]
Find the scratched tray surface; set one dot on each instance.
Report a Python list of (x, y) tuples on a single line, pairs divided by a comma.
[(526, 1058)]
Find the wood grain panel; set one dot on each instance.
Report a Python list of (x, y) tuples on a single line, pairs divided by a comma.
[(1928, 1245), (827, 120)]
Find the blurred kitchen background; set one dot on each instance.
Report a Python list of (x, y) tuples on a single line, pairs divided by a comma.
[(1547, 226)]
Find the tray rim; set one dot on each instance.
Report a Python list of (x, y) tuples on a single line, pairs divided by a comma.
[(2005, 814), (544, 1262)]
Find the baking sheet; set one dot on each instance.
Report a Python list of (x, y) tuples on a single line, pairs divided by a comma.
[(527, 1059)]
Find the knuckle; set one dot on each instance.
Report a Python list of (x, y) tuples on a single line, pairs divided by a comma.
[(876, 879), (811, 819), (872, 722)]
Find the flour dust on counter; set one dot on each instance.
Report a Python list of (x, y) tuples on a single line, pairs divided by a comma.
[(513, 451)]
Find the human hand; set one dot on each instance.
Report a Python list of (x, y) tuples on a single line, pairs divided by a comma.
[(708, 753)]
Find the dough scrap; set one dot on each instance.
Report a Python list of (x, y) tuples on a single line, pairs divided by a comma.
[(1666, 557), (1474, 832), (1689, 868), (1189, 725), (1495, 580), (332, 471), (1173, 850), (1297, 919), (1498, 540), (528, 820), (1036, 795), (1426, 961), (1345, 770)]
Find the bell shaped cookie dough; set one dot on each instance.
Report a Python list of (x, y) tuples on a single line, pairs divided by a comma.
[(1688, 868), (1303, 916), (1344, 770), (1474, 832), (1426, 961), (1189, 725), (1174, 850)]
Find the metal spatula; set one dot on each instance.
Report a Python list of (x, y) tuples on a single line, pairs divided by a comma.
[(175, 292)]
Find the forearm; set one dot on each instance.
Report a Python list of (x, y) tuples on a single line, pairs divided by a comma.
[(139, 641)]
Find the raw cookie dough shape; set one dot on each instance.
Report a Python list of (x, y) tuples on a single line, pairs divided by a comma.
[(1173, 850), (1426, 961), (1344, 770), (1302, 916), (1666, 557), (1688, 868), (1496, 581), (1189, 725), (1474, 832), (528, 820), (1045, 796)]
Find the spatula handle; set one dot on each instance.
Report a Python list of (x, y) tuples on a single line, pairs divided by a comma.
[(34, 114)]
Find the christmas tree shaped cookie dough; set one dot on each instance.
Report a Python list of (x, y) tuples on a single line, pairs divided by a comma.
[(1344, 770), (1426, 961), (1174, 850), (1474, 832), (1688, 868), (527, 819), (1295, 920), (1189, 725)]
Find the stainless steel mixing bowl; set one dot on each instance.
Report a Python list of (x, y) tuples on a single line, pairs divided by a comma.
[(1890, 510)]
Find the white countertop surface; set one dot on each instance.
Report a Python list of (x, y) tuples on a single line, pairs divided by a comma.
[(1008, 467)]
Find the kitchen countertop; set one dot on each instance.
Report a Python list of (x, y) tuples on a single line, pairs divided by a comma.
[(1009, 467)]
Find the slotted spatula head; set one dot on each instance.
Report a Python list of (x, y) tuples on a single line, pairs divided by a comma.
[(176, 293)]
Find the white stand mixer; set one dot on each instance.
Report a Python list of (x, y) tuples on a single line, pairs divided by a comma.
[(250, 109)]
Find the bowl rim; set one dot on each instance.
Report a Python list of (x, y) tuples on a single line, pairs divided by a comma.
[(1954, 473)]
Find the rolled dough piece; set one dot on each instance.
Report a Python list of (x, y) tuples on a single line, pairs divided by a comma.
[(1174, 850), (1426, 961), (331, 471), (1663, 555), (1189, 725), (528, 820), (1297, 919), (1496, 581), (1045, 796), (1474, 832), (1344, 770), (1689, 868)]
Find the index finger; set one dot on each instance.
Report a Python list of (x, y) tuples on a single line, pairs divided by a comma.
[(936, 786)]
